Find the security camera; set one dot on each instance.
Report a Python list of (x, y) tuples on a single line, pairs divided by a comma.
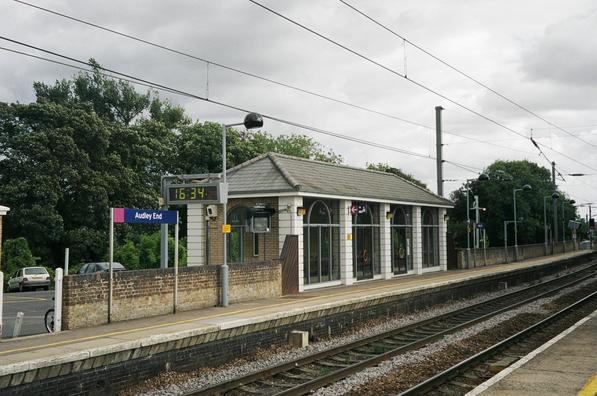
[(212, 211)]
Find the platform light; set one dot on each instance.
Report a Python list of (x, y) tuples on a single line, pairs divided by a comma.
[(301, 211), (390, 215)]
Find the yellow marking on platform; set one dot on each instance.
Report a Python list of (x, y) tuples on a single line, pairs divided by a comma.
[(590, 388), (66, 342), (23, 299)]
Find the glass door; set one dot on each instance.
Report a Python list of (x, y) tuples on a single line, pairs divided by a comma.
[(364, 252), (400, 250)]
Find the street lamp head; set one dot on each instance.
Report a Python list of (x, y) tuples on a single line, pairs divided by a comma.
[(483, 177), (572, 202), (526, 187), (253, 120), (555, 195)]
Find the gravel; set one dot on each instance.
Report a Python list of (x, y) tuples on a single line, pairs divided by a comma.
[(172, 383)]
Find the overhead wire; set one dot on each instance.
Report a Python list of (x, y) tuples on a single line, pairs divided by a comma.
[(462, 73), (256, 76), (396, 73), (111, 73)]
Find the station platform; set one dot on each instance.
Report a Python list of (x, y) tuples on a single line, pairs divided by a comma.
[(566, 365), (72, 361)]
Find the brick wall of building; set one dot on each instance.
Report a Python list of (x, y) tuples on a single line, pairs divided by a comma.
[(268, 242), (144, 293)]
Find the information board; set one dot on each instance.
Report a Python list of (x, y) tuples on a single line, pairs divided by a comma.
[(207, 193)]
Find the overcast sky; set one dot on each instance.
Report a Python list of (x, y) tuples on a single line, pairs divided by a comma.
[(540, 54)]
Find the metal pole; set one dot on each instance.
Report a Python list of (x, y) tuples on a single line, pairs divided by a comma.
[(438, 150), (484, 248), (468, 230), (66, 257), (224, 276), (545, 226), (164, 230), (58, 300), (590, 231), (110, 282), (515, 230), (176, 263), (506, 240), (563, 229), (554, 235), (16, 330)]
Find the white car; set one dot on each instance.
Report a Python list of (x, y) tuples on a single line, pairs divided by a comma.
[(29, 278)]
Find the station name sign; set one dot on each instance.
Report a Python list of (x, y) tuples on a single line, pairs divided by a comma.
[(206, 193), (144, 216)]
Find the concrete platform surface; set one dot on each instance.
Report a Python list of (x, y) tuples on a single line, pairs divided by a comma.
[(35, 352), (566, 365)]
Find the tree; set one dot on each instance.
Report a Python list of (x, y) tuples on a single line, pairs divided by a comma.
[(496, 195), (127, 255), (16, 254), (398, 172)]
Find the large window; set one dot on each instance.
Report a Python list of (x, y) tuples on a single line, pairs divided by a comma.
[(365, 241), (236, 238), (430, 231), (402, 239), (321, 241)]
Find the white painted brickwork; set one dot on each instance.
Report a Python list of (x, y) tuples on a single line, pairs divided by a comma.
[(291, 224), (443, 229), (195, 234), (417, 241), (345, 244), (385, 242)]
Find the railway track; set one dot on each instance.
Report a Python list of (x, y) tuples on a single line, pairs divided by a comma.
[(466, 375), (315, 371)]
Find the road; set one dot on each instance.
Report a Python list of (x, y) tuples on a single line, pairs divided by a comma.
[(33, 304)]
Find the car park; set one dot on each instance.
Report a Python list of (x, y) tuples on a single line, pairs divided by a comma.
[(91, 268), (29, 278)]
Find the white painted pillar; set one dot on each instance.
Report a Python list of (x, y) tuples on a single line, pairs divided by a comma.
[(346, 243), (443, 246), (291, 224), (417, 241), (385, 241), (58, 300), (196, 249)]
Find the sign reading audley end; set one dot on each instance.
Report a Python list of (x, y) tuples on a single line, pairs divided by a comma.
[(145, 216)]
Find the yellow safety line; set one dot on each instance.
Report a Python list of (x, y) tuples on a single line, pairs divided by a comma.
[(182, 321), (30, 299), (590, 388)]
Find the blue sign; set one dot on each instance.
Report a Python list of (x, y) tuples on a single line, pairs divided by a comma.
[(145, 216)]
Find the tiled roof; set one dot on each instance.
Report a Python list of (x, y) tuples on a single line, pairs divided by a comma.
[(277, 173)]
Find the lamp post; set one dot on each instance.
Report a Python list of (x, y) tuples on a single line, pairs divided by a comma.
[(252, 120), (506, 222), (553, 196), (571, 202), (526, 187), (482, 177)]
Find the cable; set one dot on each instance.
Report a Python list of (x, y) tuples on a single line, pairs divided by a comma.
[(236, 70), (402, 75), (462, 73), (143, 82)]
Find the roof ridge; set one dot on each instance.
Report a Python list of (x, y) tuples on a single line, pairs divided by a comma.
[(293, 183), (328, 163)]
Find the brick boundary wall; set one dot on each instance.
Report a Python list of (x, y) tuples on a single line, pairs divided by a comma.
[(109, 374), (145, 293)]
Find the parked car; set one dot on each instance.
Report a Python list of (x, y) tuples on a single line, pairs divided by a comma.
[(29, 278), (90, 268)]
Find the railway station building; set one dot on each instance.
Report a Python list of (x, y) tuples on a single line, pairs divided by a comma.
[(348, 224)]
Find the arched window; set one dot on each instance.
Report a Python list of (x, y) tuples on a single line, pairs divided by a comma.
[(321, 241), (365, 240), (430, 231), (401, 239)]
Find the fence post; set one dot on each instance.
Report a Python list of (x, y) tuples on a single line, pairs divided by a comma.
[(16, 331), (58, 300), (1, 299), (66, 254)]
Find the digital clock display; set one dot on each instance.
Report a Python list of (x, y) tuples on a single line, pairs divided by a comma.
[(194, 193)]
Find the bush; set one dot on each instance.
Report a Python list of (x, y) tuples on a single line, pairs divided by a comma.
[(16, 254), (127, 255)]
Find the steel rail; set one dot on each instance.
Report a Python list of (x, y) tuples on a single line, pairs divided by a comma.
[(446, 375), (343, 372)]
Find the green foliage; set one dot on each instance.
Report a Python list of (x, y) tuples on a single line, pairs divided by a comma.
[(398, 172), (127, 255), (91, 143), (16, 254), (496, 195)]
